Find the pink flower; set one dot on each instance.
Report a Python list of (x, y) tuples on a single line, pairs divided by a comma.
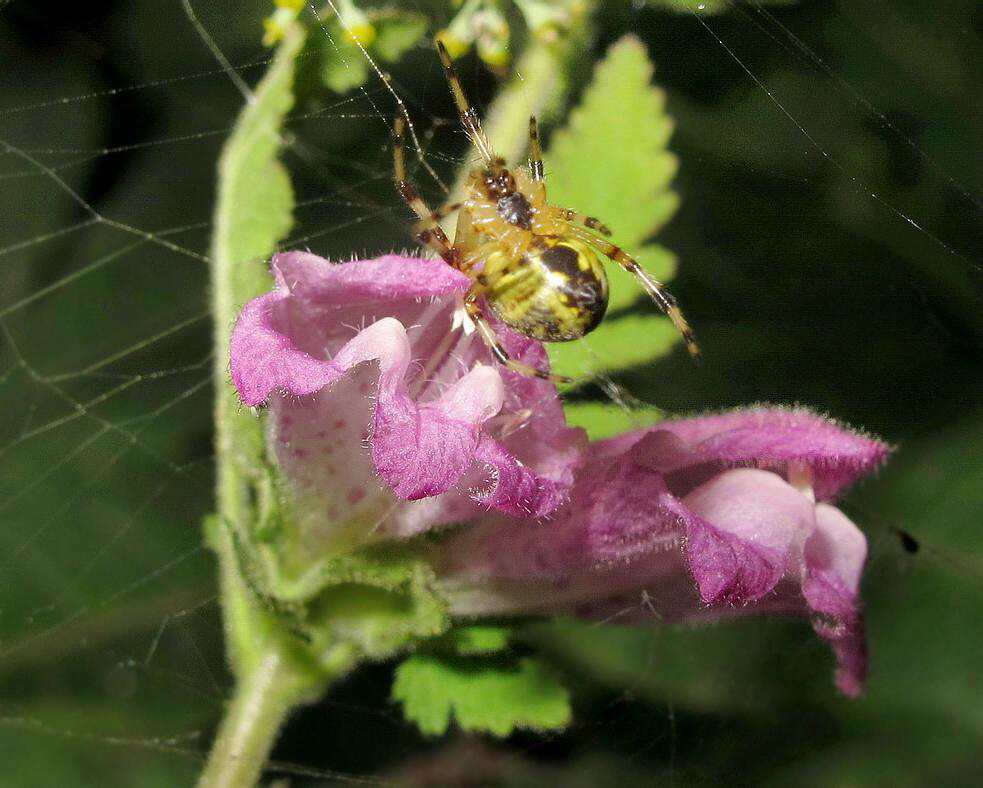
[(388, 419)]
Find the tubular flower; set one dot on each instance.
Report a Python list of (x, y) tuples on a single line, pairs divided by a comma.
[(388, 418)]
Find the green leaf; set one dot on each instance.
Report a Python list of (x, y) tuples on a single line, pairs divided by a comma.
[(396, 32), (611, 162), (611, 159), (617, 344), (254, 210), (604, 420), (486, 695), (478, 639), (255, 200), (343, 66)]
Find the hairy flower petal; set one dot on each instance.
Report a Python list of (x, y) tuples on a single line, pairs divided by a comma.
[(627, 546), (746, 524), (426, 405), (764, 437), (388, 418), (619, 509), (834, 560)]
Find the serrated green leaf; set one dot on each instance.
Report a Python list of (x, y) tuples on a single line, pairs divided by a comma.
[(256, 200), (485, 695), (604, 419), (611, 162), (396, 32)]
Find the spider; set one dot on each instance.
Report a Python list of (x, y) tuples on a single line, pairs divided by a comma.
[(535, 265)]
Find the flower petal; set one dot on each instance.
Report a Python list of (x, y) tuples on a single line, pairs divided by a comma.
[(741, 540), (766, 438), (515, 488), (282, 339), (424, 449), (428, 428), (619, 509), (320, 284), (834, 560)]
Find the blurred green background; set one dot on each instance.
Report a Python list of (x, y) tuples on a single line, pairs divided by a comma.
[(829, 237)]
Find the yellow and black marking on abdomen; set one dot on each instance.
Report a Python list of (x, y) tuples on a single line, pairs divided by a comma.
[(557, 292)]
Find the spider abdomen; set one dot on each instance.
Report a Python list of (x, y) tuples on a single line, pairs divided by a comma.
[(556, 292)]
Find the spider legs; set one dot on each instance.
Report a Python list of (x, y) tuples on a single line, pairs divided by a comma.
[(469, 116), (430, 234), (656, 290), (428, 231), (472, 305), (587, 221), (535, 151)]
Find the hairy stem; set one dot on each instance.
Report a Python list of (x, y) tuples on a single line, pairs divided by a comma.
[(270, 678), (262, 701)]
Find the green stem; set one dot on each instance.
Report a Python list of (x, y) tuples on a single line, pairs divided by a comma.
[(270, 677), (262, 701)]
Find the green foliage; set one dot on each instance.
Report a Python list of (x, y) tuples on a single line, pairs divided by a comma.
[(489, 695), (396, 32), (377, 601), (254, 210), (371, 602), (611, 161), (470, 674), (622, 341), (604, 420), (344, 66), (478, 639), (256, 201)]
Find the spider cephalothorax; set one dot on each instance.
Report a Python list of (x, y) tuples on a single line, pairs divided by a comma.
[(536, 265)]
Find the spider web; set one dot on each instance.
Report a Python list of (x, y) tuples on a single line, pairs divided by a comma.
[(110, 126)]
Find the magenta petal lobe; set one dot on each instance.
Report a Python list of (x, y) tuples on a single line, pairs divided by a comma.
[(431, 397), (834, 560), (740, 542), (422, 450)]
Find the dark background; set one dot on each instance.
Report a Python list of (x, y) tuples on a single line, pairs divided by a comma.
[(830, 240)]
